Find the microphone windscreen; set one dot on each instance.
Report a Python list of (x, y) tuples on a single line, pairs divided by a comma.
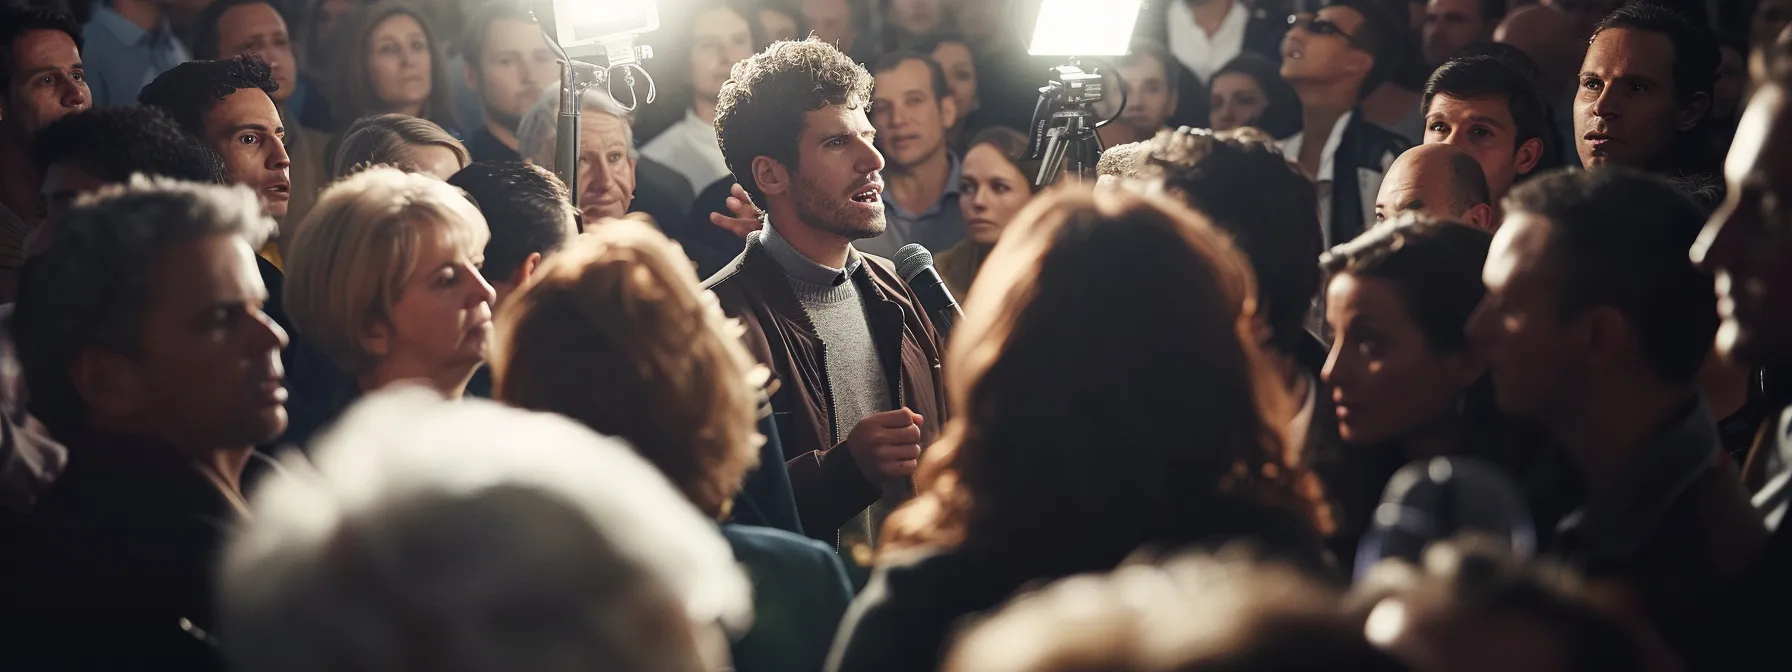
[(911, 260)]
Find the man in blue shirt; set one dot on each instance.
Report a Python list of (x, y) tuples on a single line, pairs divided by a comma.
[(129, 42), (914, 111)]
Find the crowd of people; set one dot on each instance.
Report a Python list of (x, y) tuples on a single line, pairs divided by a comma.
[(1394, 335)]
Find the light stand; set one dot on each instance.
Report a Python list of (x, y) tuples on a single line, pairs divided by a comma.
[(1063, 134), (621, 53)]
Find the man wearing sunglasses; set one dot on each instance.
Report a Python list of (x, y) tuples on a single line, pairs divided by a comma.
[(1333, 59)]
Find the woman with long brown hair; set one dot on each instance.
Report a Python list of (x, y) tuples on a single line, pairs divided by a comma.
[(995, 183), (1107, 395), (388, 58)]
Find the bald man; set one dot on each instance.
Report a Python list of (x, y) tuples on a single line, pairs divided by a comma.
[(1547, 37), (1437, 181)]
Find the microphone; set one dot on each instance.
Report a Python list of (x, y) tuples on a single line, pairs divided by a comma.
[(1436, 499), (915, 264)]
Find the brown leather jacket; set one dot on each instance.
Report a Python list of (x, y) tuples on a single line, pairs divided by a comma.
[(829, 488)]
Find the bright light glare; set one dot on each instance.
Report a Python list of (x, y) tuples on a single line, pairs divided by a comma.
[(1084, 27), (584, 22)]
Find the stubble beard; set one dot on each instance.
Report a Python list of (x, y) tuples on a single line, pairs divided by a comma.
[(829, 216)]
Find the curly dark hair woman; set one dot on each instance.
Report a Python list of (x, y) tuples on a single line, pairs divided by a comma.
[(1107, 394)]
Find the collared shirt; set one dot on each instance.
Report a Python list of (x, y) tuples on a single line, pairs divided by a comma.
[(122, 57), (1618, 526), (799, 266), (690, 148), (937, 228), (1201, 54), (1327, 158)]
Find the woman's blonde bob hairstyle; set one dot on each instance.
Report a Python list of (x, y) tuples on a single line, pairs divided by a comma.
[(615, 332), (351, 257)]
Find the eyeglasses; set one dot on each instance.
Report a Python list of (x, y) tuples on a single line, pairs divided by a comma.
[(1319, 26)]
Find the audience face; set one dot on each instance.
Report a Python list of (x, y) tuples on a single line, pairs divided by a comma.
[(1321, 48), (208, 371), (911, 120), (1770, 19), (917, 17), (1149, 100), (1451, 25), (1386, 378), (961, 75), (1536, 358), (1583, 15), (443, 315), (1238, 100), (835, 186), (1484, 129), (245, 130), (778, 24), (1732, 81), (1626, 113), (991, 191), (1423, 181), (606, 167), (831, 20), (48, 83), (400, 63), (515, 66), (257, 30), (719, 39), (330, 14), (1747, 243)]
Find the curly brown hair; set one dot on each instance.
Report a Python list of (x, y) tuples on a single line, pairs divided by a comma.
[(766, 92), (1107, 393), (614, 331)]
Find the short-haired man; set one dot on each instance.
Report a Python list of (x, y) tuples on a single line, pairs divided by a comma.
[(1488, 107), (82, 152), (1333, 59), (851, 348), (614, 179), (1596, 325), (146, 351), (1151, 95), (1452, 25), (42, 79), (1645, 88), (509, 64), (259, 28), (720, 35), (129, 43), (914, 111), (228, 105), (531, 217), (1437, 181)]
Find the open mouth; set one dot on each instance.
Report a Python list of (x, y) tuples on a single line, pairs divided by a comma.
[(872, 194), (279, 190), (1294, 51)]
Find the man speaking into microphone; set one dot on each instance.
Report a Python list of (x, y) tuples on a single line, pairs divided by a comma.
[(858, 390)]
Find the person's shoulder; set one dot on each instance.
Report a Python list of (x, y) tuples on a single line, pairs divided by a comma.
[(750, 541)]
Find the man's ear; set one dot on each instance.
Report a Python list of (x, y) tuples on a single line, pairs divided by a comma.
[(1693, 111), (108, 383), (1530, 152), (1360, 62), (949, 110), (770, 176), (376, 338), (1480, 216), (525, 269)]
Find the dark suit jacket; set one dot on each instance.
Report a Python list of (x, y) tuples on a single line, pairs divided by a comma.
[(800, 592), (114, 557)]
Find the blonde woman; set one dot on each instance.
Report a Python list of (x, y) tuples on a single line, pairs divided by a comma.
[(405, 142), (615, 332), (383, 278)]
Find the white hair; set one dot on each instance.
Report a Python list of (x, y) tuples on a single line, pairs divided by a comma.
[(538, 129), (469, 536)]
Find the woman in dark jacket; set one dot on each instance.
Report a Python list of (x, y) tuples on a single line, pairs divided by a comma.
[(614, 331), (1107, 395)]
